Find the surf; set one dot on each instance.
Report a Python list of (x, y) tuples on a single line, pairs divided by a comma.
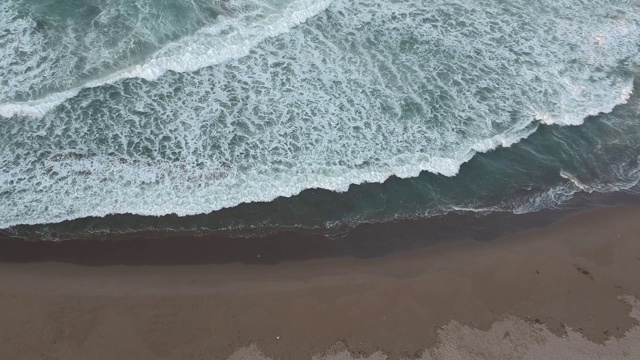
[(358, 93), (236, 30)]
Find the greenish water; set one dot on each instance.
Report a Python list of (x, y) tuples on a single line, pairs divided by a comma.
[(249, 115)]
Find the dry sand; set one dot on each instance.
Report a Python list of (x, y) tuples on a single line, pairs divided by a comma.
[(566, 291)]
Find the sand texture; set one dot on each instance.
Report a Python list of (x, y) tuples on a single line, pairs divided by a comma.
[(566, 291)]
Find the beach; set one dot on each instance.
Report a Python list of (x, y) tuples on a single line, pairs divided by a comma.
[(319, 179), (563, 289)]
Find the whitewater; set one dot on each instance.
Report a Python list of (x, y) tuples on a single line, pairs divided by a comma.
[(229, 38), (153, 108)]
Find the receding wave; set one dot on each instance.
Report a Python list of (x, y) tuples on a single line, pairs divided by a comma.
[(355, 94)]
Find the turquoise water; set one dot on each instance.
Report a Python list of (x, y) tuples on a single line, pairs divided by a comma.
[(253, 114)]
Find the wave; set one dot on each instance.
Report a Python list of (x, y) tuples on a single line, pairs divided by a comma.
[(603, 108), (37, 108), (259, 187), (356, 94), (556, 197), (231, 37)]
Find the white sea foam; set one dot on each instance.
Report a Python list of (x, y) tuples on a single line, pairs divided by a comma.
[(231, 37), (594, 108), (36, 108), (361, 92)]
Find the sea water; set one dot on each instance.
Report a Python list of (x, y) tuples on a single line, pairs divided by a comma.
[(255, 114)]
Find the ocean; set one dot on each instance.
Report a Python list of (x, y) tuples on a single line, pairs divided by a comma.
[(254, 116)]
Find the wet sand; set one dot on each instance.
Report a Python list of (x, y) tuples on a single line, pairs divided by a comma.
[(569, 286)]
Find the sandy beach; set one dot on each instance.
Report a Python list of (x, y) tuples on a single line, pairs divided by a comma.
[(568, 290), (319, 180)]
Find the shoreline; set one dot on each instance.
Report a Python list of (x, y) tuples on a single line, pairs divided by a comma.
[(368, 240), (563, 278)]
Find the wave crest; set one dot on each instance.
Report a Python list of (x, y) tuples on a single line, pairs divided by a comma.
[(232, 36)]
